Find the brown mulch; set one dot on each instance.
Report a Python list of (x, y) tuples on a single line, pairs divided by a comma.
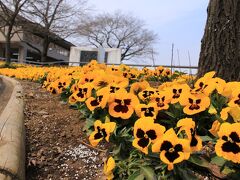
[(55, 143)]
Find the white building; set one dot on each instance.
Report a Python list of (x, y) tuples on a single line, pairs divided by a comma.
[(31, 35), (83, 55)]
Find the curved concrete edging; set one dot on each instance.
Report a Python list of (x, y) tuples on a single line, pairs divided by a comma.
[(12, 135)]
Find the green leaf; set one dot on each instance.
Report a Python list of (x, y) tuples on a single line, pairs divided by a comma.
[(178, 106), (139, 177), (170, 114), (148, 173), (195, 159), (74, 106), (117, 150), (88, 127), (228, 170), (136, 175), (206, 138), (153, 155), (218, 161), (185, 174)]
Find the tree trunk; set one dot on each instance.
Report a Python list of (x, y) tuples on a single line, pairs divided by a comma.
[(45, 46), (8, 51), (8, 46), (220, 48)]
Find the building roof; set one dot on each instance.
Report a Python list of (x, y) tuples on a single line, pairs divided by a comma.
[(54, 38), (38, 30)]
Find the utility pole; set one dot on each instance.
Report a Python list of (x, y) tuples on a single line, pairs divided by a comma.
[(189, 59), (172, 58), (178, 60)]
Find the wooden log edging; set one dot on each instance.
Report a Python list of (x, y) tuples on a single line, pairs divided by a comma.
[(12, 135)]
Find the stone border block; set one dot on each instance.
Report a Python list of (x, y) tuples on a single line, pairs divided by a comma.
[(12, 135)]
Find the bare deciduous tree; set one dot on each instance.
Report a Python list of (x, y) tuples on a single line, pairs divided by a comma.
[(118, 30), (54, 18), (9, 11)]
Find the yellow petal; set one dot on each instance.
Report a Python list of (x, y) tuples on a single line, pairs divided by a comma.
[(94, 142), (209, 74), (107, 119), (235, 113), (109, 165), (186, 122), (212, 110), (215, 128), (224, 113)]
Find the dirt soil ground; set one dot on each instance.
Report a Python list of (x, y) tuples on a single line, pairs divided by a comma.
[(55, 144)]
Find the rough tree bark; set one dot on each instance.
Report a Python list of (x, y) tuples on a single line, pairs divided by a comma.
[(220, 48), (45, 46), (8, 47)]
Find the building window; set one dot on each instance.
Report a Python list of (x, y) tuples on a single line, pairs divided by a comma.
[(63, 52)]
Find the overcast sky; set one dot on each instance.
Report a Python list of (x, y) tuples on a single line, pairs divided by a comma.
[(175, 21)]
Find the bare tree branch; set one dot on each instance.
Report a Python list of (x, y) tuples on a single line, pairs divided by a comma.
[(29, 44), (54, 19), (9, 11), (118, 30)]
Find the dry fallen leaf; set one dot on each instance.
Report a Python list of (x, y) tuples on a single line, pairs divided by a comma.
[(32, 162)]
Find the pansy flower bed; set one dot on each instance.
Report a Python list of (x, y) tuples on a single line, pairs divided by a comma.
[(158, 124)]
